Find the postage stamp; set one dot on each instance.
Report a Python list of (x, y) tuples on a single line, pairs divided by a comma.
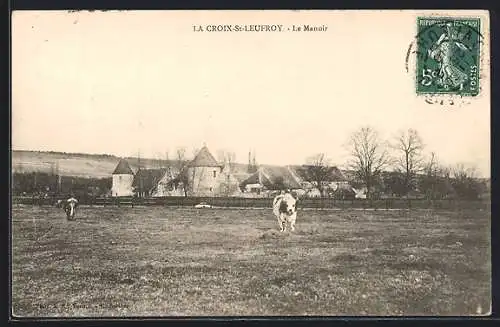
[(448, 56)]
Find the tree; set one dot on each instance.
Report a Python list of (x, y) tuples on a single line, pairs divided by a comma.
[(409, 160), (368, 157), (318, 171), (465, 182), (180, 170), (195, 151), (394, 183), (429, 180), (435, 181), (252, 163), (227, 158)]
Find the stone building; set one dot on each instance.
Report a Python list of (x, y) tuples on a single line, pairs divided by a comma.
[(123, 177), (203, 176), (207, 177)]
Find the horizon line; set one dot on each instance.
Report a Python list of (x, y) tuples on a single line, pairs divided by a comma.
[(149, 158), (340, 167)]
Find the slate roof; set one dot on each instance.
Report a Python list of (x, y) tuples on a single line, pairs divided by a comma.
[(240, 177), (123, 168), (273, 178), (204, 159)]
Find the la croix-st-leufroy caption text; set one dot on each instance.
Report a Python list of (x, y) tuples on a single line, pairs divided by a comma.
[(259, 28)]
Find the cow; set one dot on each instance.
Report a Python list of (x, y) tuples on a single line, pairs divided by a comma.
[(69, 206), (285, 210)]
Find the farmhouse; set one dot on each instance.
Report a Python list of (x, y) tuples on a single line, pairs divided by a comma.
[(269, 179), (331, 182), (203, 176)]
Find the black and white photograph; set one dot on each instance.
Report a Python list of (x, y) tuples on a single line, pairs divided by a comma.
[(250, 163)]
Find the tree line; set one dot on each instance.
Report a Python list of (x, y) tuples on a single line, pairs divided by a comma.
[(397, 167), (49, 184)]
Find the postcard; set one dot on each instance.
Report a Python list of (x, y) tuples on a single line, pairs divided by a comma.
[(250, 163)]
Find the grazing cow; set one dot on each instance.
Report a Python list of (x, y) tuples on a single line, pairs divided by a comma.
[(285, 209), (69, 207)]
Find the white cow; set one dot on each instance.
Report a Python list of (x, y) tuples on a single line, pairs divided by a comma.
[(285, 210), (69, 207)]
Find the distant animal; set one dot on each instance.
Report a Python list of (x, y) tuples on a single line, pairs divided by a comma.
[(285, 210), (202, 205), (359, 194), (69, 206)]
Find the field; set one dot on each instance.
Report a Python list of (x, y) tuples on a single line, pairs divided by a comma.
[(156, 261)]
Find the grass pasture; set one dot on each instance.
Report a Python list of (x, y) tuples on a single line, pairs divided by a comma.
[(156, 261)]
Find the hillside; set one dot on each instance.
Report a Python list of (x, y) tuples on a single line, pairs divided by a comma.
[(80, 164)]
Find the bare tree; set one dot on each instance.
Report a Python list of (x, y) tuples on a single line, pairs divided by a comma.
[(167, 163), (227, 158), (435, 178), (230, 157), (409, 159), (180, 156), (221, 156), (445, 187), (461, 172), (318, 171), (460, 180), (465, 181), (432, 166), (180, 169), (429, 180), (369, 157), (195, 152)]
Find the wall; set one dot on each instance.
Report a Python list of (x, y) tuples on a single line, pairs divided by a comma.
[(122, 185), (202, 181), (227, 185), (163, 189), (318, 203)]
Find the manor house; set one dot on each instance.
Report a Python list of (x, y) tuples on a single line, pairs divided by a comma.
[(203, 176)]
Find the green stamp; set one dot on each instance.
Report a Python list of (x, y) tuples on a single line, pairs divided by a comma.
[(448, 53)]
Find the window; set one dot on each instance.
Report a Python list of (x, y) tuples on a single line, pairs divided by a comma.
[(215, 173)]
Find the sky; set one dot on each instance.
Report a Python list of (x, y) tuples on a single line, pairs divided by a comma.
[(144, 82)]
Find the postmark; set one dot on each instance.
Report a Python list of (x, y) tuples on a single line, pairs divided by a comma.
[(448, 56)]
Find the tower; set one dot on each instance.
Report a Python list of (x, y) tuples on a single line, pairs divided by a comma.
[(203, 173), (123, 176)]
